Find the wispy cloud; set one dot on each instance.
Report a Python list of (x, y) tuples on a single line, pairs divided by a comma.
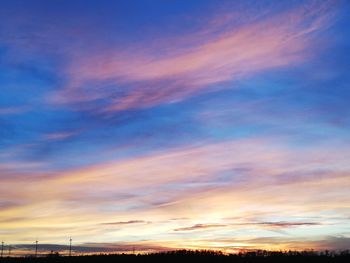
[(13, 110), (206, 178), (228, 245), (89, 248), (59, 135), (144, 77), (281, 224), (130, 222), (102, 154), (200, 227)]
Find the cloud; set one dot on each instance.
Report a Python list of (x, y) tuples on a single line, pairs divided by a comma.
[(334, 242), (318, 243), (269, 184), (145, 77), (283, 224), (88, 248), (200, 227), (14, 169), (144, 246), (208, 177), (228, 245), (130, 222), (13, 110), (7, 204), (56, 136)]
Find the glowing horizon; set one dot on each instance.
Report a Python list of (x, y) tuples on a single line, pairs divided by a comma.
[(154, 125)]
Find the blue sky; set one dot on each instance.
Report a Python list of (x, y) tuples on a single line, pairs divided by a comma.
[(162, 109)]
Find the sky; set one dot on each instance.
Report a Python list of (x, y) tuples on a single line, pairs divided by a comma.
[(151, 125)]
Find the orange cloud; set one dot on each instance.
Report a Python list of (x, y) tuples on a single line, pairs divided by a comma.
[(238, 179)]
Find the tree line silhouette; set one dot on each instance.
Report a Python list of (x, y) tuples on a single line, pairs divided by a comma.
[(258, 256)]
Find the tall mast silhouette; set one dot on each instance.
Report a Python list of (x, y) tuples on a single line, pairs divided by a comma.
[(9, 250), (2, 248), (70, 247), (36, 248)]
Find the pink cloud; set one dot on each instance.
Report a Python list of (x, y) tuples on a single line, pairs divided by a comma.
[(13, 110), (151, 75), (183, 183), (59, 135)]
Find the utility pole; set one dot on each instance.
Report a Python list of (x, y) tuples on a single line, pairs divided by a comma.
[(9, 250), (36, 248), (70, 247), (2, 248)]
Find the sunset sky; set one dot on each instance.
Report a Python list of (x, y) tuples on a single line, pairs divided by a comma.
[(156, 125)]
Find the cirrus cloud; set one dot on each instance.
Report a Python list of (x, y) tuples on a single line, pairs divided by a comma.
[(139, 77)]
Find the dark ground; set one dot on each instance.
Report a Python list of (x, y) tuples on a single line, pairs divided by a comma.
[(194, 256)]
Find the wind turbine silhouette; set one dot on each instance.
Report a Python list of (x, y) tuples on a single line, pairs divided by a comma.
[(36, 248), (2, 248), (70, 247)]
